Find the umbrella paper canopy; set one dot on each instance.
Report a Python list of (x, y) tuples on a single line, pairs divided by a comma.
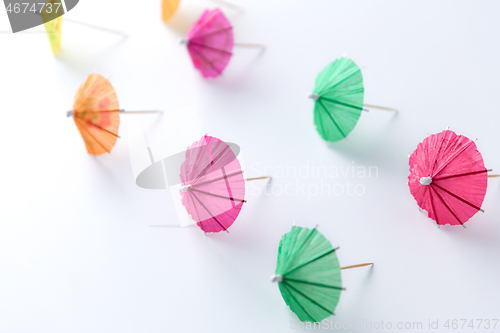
[(448, 177), (210, 43), (169, 7), (53, 28), (308, 273), (338, 99), (213, 187), (96, 114)]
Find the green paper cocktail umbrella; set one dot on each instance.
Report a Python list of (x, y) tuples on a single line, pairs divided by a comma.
[(308, 274), (338, 99)]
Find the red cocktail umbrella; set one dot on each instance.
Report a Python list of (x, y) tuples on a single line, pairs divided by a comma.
[(448, 178)]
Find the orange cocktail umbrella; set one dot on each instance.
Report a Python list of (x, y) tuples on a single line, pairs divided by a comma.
[(96, 113)]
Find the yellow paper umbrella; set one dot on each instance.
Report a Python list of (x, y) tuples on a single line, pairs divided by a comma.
[(53, 23), (54, 32)]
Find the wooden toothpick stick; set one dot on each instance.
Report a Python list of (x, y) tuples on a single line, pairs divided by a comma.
[(89, 25), (144, 111), (380, 107), (356, 266), (71, 113), (257, 178), (257, 46)]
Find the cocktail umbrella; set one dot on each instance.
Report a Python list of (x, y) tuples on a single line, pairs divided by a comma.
[(53, 24), (210, 43), (168, 8), (338, 99), (54, 28), (308, 274), (448, 178), (96, 113), (54, 31), (213, 187)]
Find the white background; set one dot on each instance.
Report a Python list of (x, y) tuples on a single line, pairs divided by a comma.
[(77, 253)]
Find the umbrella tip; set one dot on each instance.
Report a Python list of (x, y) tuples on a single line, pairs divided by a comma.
[(70, 113), (313, 96), (183, 41), (186, 188), (425, 180), (276, 278)]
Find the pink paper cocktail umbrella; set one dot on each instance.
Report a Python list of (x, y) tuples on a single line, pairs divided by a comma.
[(210, 43), (448, 178), (213, 187)]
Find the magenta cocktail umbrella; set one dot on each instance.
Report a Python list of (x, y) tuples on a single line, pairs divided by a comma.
[(212, 184)]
